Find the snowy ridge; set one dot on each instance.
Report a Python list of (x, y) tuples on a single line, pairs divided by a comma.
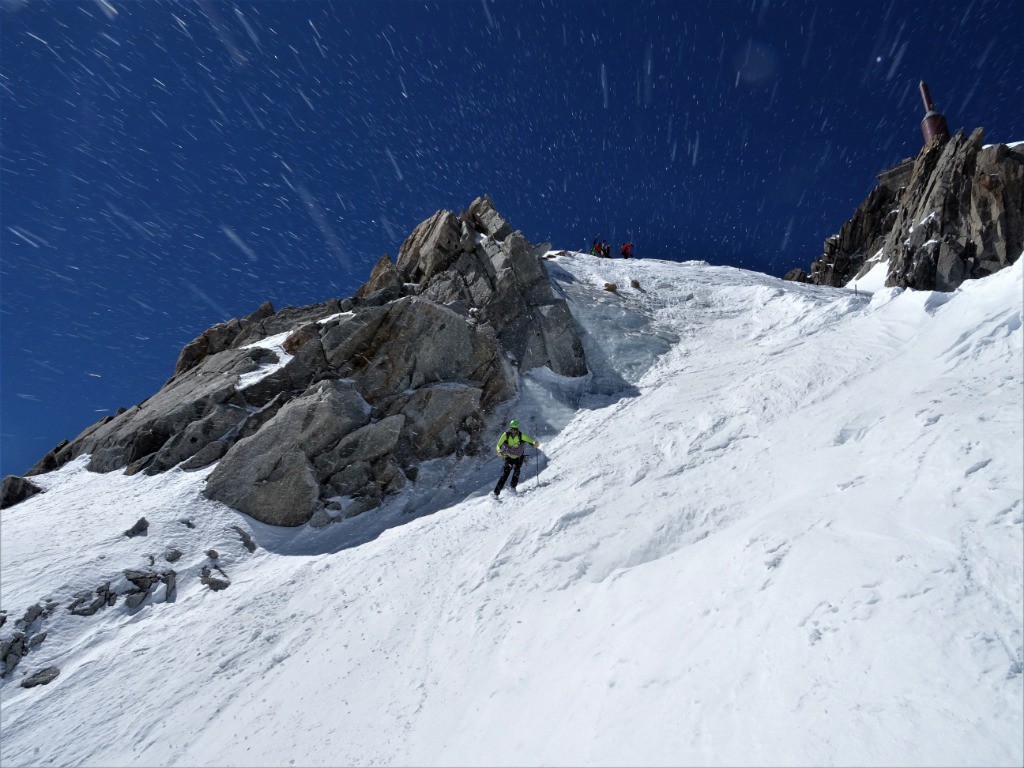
[(777, 524)]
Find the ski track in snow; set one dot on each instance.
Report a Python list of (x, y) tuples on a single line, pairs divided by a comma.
[(776, 524)]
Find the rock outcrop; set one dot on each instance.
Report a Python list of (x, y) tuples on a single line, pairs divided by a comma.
[(138, 529), (16, 489), (954, 213), (25, 636), (139, 585), (324, 410), (42, 677)]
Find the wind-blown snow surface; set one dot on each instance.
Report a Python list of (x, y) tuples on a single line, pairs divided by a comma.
[(787, 530)]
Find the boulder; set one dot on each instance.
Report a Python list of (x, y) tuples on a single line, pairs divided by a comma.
[(138, 529), (269, 476), (247, 541), (796, 275), (16, 489), (486, 219), (142, 580), (12, 650), (87, 603), (558, 344), (42, 677), (134, 599), (382, 296), (215, 583), (383, 275), (170, 579), (348, 479), (32, 613), (431, 248), (278, 488)]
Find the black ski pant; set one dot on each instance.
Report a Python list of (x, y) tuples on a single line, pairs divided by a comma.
[(513, 464)]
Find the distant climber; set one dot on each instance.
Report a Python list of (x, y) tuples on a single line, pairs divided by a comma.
[(595, 246), (511, 447), (606, 250), (626, 250)]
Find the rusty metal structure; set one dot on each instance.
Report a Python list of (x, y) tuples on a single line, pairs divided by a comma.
[(934, 124)]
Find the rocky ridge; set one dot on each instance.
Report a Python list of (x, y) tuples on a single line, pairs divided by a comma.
[(318, 412), (954, 213)]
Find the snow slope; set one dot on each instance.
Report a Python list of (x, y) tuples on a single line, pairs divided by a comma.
[(778, 524)]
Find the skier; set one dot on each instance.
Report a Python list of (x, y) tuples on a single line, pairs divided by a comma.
[(626, 250), (594, 246), (511, 448)]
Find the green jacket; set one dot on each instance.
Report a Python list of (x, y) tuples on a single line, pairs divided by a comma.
[(514, 444)]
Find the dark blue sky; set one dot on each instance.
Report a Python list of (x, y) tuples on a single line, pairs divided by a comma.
[(167, 166)]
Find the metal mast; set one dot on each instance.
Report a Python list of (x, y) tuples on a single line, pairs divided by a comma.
[(934, 124)]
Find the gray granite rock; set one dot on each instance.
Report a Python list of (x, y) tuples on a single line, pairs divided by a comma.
[(954, 213), (139, 528), (17, 489), (42, 677)]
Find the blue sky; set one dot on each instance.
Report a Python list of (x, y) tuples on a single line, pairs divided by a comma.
[(167, 166)]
